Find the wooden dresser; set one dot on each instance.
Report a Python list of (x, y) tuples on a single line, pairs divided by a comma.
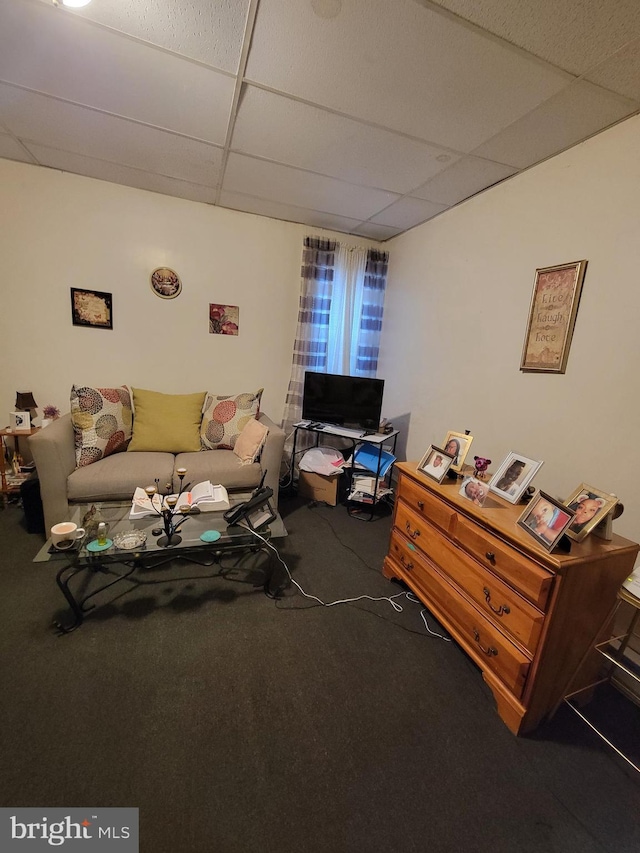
[(526, 617)]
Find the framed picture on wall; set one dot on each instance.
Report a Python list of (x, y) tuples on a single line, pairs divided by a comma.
[(91, 308), (457, 444), (165, 283), (546, 519), (552, 316), (513, 476)]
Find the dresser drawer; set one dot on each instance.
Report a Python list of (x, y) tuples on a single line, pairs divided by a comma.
[(501, 604), (482, 640), (427, 505), (517, 570)]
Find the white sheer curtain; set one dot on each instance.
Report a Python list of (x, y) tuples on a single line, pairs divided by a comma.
[(346, 311)]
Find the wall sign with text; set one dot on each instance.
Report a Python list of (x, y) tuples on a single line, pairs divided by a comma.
[(552, 316)]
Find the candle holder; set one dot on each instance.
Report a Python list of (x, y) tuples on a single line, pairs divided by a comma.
[(169, 509)]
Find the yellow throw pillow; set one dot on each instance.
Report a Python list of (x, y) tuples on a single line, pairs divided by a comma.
[(166, 422)]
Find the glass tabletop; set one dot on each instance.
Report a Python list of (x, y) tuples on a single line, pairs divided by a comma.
[(116, 516)]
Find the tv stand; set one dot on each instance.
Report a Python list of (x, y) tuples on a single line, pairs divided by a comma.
[(364, 511)]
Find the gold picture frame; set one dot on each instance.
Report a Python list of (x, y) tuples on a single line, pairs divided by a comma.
[(552, 317), (589, 504), (458, 444)]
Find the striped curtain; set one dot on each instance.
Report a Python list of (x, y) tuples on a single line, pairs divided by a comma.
[(335, 278), (368, 344), (312, 334)]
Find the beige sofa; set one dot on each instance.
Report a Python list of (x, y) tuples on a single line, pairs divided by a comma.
[(116, 477)]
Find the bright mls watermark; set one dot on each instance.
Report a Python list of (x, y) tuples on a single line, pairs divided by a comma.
[(102, 830)]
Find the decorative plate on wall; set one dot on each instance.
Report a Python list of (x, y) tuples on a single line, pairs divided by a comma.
[(165, 283)]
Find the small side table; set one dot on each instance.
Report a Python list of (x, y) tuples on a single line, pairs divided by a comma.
[(8, 484), (614, 650)]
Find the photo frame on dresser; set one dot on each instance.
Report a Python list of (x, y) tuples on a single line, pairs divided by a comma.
[(474, 490), (546, 519), (435, 463), (591, 506), (458, 444), (513, 476)]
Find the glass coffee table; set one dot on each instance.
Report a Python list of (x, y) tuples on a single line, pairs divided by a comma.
[(85, 570)]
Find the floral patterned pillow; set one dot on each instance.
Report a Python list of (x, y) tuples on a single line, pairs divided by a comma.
[(102, 420), (223, 419)]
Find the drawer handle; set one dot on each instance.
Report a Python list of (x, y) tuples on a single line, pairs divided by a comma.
[(490, 556), (490, 651), (420, 504), (407, 565), (412, 533), (504, 608)]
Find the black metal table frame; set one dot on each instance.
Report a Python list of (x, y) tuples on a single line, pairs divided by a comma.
[(146, 561), (355, 509)]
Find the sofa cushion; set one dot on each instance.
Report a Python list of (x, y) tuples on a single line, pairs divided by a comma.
[(219, 466), (116, 478), (250, 442), (166, 422), (101, 420), (223, 419)]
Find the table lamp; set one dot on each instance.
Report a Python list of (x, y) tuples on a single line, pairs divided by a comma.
[(26, 403)]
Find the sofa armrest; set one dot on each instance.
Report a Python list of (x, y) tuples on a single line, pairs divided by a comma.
[(271, 457), (53, 451)]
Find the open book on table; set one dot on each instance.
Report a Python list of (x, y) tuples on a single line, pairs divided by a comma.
[(205, 496)]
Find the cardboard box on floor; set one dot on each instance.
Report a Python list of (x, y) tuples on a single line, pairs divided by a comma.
[(318, 487)]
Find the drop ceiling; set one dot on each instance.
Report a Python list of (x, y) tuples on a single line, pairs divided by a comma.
[(367, 117)]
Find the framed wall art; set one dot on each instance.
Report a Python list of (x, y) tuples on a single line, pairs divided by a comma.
[(513, 476), (591, 506), (457, 444), (552, 316), (165, 283), (224, 319), (435, 463), (91, 308), (546, 519)]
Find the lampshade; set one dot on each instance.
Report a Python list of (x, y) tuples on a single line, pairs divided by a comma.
[(25, 401)]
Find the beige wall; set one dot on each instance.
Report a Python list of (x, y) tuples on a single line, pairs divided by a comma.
[(456, 312), (59, 231)]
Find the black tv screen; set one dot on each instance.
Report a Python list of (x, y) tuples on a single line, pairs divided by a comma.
[(348, 401)]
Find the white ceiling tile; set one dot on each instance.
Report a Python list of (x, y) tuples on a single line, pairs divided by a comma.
[(399, 65), (274, 182), (572, 115), (99, 68), (281, 129), (57, 124), (572, 34), (287, 212), (408, 212), (377, 232), (200, 29), (10, 149), (116, 174), (622, 73), (463, 179)]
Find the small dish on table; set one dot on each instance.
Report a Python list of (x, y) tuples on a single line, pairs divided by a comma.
[(129, 540)]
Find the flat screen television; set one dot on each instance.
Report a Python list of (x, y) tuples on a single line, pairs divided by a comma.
[(347, 401)]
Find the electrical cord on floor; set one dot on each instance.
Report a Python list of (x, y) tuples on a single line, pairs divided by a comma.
[(409, 596)]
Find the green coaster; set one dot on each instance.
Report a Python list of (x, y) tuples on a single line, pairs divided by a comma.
[(94, 546), (210, 535)]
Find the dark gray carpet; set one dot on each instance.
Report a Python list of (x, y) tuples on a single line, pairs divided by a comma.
[(238, 724)]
